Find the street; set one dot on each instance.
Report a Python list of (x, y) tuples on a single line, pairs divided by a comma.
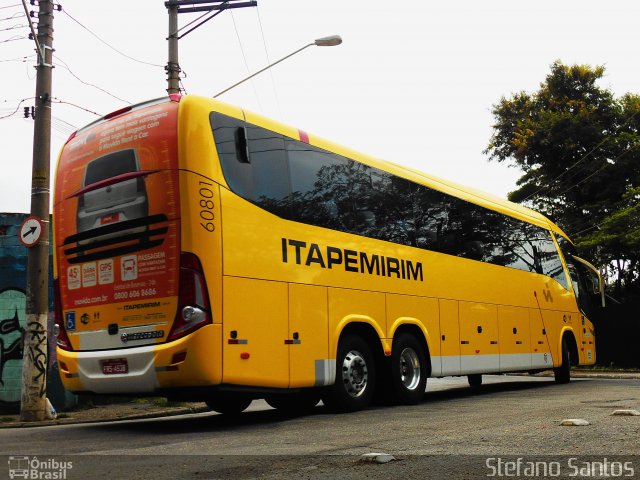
[(452, 432)]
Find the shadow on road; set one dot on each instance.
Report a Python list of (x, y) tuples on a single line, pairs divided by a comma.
[(212, 422)]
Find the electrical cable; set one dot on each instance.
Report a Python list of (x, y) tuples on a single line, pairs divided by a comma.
[(18, 59), (57, 100), (68, 125), (246, 64), (111, 46), (13, 39), (13, 17), (17, 108), (266, 52), (15, 27), (64, 65), (583, 158)]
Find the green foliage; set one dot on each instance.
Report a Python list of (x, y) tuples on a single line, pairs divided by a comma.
[(577, 146)]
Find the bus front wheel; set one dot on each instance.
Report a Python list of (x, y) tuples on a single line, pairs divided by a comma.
[(562, 374), (355, 376), (408, 370), (228, 403)]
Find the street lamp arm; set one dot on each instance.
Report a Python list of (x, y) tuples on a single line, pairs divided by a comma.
[(321, 42), (260, 71)]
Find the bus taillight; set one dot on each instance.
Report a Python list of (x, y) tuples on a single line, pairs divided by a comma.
[(193, 304), (59, 331)]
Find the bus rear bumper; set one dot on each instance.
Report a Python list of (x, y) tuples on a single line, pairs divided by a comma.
[(194, 360)]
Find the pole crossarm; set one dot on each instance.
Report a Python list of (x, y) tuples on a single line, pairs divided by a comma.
[(212, 8), (208, 5)]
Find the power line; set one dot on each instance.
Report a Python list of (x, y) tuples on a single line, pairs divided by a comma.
[(53, 100), (18, 59), (13, 17), (64, 65), (15, 27), (246, 64), (109, 45), (65, 123), (11, 6), (582, 159), (62, 126), (57, 100), (573, 225), (17, 108), (266, 52), (14, 38)]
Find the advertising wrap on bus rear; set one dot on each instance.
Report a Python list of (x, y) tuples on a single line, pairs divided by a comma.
[(117, 215)]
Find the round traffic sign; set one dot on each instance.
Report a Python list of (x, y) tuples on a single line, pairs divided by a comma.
[(30, 231)]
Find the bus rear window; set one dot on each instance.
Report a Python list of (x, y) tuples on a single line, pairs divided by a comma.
[(110, 165)]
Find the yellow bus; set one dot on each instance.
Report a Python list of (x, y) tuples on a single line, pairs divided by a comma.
[(206, 253)]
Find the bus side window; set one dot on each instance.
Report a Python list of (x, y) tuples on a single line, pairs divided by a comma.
[(238, 174), (242, 146)]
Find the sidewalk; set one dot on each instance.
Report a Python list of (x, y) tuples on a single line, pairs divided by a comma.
[(134, 410)]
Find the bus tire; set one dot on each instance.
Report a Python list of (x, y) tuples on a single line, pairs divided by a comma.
[(355, 377), (475, 380), (228, 403), (294, 403), (562, 374), (408, 370)]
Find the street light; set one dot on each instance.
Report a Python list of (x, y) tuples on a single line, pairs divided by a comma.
[(329, 41)]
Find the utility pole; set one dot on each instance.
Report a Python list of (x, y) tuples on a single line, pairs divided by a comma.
[(173, 67), (35, 358), (211, 8)]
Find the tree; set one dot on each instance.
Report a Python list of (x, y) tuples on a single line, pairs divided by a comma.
[(578, 148)]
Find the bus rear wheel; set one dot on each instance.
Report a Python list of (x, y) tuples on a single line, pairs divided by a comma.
[(228, 403), (562, 374), (408, 370), (355, 377)]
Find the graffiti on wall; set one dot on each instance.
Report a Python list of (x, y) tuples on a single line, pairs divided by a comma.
[(12, 320)]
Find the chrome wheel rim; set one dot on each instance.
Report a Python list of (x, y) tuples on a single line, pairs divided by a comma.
[(409, 368), (355, 374)]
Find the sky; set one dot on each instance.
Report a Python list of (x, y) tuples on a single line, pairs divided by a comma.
[(413, 82)]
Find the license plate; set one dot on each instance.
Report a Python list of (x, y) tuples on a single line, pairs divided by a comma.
[(117, 366), (107, 219)]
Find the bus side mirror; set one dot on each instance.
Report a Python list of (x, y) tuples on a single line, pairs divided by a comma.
[(595, 279)]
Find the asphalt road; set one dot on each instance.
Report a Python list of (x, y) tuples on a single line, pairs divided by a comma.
[(456, 432)]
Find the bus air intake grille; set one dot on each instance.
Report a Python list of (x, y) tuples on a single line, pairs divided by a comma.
[(116, 239)]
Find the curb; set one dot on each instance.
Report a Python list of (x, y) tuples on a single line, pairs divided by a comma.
[(599, 375), (74, 421), (610, 375)]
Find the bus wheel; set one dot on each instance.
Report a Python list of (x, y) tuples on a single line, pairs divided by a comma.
[(355, 377), (408, 370), (474, 380), (294, 403), (562, 374), (228, 403)]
